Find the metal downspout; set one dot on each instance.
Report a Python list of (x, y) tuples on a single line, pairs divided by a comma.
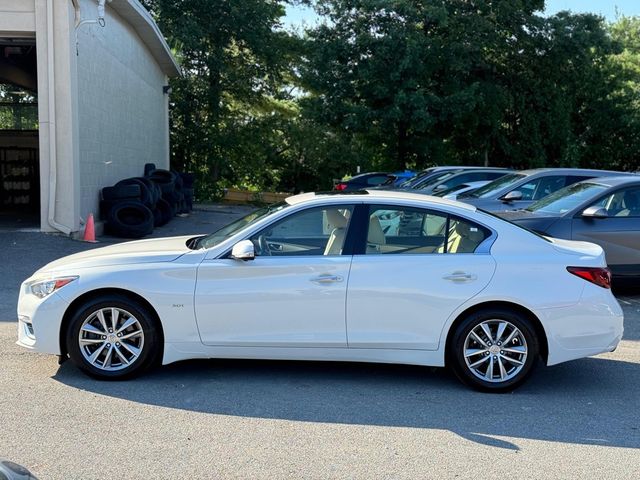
[(53, 161)]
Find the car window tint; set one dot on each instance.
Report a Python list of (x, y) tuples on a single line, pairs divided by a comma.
[(415, 231), (541, 187), (316, 231), (567, 198), (464, 236), (377, 180), (496, 186), (623, 203)]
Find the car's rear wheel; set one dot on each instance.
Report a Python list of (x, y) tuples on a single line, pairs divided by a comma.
[(113, 337), (494, 350)]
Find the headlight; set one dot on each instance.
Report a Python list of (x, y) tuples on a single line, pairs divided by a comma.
[(43, 288)]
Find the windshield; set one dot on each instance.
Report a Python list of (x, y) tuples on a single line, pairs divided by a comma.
[(566, 199), (494, 187), (433, 180), (407, 183), (442, 193), (234, 227)]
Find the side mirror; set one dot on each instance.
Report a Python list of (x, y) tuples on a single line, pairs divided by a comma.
[(511, 196), (243, 250), (595, 212)]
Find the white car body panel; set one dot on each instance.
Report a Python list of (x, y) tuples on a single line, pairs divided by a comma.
[(403, 301), (268, 308), (273, 302)]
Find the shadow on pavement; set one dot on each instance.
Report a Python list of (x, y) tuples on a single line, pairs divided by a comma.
[(592, 401)]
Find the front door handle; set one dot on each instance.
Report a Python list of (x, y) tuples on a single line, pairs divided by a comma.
[(460, 277), (327, 279)]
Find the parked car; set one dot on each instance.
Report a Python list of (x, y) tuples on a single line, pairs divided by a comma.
[(316, 278), (518, 190), (431, 173), (362, 181), (456, 177), (453, 192), (605, 211), (399, 178)]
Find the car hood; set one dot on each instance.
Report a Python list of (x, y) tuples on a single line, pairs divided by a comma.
[(530, 220), (141, 251)]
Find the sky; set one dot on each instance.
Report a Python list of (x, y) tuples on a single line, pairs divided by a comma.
[(298, 16)]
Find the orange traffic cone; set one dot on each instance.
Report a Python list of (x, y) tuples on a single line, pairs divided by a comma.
[(89, 230)]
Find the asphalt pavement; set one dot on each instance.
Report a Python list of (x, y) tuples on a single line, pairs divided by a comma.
[(264, 419)]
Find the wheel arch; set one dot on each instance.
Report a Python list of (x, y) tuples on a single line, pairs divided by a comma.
[(532, 317), (92, 294)]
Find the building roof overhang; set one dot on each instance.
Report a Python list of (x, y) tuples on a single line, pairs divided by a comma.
[(140, 19)]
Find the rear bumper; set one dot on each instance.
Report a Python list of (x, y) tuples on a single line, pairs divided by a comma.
[(594, 325)]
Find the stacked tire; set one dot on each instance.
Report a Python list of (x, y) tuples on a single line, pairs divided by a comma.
[(134, 206)]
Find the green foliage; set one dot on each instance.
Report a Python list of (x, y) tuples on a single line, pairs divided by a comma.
[(389, 84), (18, 109)]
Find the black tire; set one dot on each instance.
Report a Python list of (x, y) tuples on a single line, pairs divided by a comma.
[(150, 343), (129, 220), (515, 374), (157, 217), (106, 206), (148, 168), (165, 211), (164, 178), (187, 180), (188, 199), (153, 188), (121, 192), (147, 195), (177, 179)]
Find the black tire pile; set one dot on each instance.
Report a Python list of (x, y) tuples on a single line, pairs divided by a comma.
[(133, 207)]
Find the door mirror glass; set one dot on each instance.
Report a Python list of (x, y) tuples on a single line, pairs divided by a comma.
[(595, 212), (243, 250), (512, 195)]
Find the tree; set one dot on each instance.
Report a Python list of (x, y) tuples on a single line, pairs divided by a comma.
[(235, 58)]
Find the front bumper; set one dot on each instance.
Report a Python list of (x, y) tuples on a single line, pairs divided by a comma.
[(39, 321)]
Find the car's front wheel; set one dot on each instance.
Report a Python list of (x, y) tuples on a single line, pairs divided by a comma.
[(494, 350), (113, 337)]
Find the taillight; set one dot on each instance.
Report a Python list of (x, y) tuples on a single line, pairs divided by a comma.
[(341, 186), (600, 276)]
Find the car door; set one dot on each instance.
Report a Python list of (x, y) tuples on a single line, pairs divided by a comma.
[(291, 295), (618, 233), (406, 282)]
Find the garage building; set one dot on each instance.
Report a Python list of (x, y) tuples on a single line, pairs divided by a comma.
[(83, 103)]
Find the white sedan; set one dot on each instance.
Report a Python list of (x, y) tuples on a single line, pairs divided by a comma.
[(318, 278)]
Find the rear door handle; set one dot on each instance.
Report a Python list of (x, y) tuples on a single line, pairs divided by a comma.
[(460, 277), (327, 279)]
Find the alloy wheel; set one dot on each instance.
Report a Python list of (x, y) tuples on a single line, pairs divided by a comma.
[(495, 350), (111, 339)]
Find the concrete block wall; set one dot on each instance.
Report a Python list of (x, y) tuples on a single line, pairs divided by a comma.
[(122, 110)]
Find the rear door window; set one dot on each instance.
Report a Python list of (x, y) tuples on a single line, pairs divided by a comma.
[(405, 230)]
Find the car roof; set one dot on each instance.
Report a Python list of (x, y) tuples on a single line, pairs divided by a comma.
[(569, 171), (481, 169), (614, 181), (377, 196)]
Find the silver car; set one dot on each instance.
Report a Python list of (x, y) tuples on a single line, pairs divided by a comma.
[(518, 190), (605, 211)]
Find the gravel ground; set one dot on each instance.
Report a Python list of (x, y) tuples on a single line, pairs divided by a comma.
[(258, 419)]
